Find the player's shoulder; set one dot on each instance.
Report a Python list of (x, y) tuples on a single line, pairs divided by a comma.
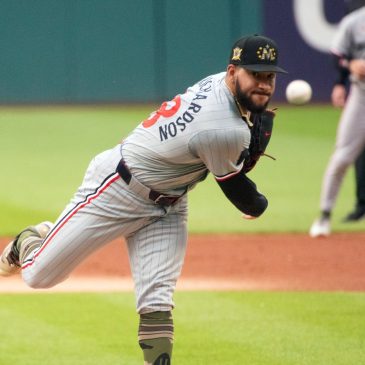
[(213, 85), (347, 31), (353, 18), (211, 79), (214, 98)]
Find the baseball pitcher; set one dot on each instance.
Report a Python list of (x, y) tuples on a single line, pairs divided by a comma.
[(138, 189)]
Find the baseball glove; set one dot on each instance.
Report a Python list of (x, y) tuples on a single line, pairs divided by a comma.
[(262, 125)]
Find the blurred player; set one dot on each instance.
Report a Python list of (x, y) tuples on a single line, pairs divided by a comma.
[(349, 52), (359, 209), (138, 189)]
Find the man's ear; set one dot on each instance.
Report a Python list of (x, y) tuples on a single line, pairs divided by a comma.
[(231, 69)]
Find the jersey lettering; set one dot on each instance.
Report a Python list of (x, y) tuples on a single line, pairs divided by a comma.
[(167, 109), (195, 107), (206, 84), (170, 108), (179, 125), (188, 117)]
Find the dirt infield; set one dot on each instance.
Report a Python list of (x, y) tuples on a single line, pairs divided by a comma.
[(238, 262)]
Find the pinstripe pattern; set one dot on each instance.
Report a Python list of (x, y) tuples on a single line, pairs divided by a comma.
[(156, 254), (220, 149), (214, 139), (62, 221), (204, 133), (102, 210)]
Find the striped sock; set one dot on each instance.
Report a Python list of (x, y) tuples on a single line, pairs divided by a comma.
[(155, 336), (28, 247)]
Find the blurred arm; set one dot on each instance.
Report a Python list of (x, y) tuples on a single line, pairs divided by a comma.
[(338, 95), (357, 68)]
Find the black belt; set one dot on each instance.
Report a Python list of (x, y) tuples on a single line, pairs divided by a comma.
[(153, 195)]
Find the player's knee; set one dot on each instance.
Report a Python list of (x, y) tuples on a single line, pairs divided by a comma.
[(343, 161), (40, 280), (34, 283)]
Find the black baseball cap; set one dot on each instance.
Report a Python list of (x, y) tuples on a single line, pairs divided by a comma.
[(256, 53)]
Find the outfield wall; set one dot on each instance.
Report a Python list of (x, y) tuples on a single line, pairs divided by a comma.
[(72, 51)]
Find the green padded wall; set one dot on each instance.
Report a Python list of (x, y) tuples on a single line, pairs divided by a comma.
[(82, 51)]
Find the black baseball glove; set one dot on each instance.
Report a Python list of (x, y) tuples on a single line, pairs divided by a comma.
[(262, 125)]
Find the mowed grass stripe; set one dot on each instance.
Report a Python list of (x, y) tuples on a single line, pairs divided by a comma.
[(210, 327)]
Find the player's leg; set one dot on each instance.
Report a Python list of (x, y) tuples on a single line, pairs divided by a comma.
[(111, 212), (350, 143), (101, 210), (28, 245), (73, 238), (156, 256), (359, 210)]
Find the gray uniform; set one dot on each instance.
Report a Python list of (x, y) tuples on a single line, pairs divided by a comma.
[(349, 42), (172, 150)]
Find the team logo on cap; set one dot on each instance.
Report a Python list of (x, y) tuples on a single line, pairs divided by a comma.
[(237, 54), (266, 53)]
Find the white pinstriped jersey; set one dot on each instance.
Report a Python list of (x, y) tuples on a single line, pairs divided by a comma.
[(196, 132), (349, 41)]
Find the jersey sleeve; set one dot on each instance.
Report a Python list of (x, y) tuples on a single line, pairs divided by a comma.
[(342, 41), (221, 149)]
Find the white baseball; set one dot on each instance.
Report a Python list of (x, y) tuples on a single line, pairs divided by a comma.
[(298, 92)]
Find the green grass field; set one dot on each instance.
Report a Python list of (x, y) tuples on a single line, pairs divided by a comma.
[(44, 153), (210, 327)]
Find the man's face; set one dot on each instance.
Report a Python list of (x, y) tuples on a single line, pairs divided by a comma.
[(253, 90)]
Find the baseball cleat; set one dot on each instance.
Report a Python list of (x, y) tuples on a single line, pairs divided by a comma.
[(9, 259), (9, 262), (356, 215), (320, 228)]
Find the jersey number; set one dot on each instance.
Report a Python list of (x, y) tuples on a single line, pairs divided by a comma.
[(167, 109)]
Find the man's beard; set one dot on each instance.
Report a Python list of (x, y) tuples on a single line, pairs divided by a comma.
[(247, 102)]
